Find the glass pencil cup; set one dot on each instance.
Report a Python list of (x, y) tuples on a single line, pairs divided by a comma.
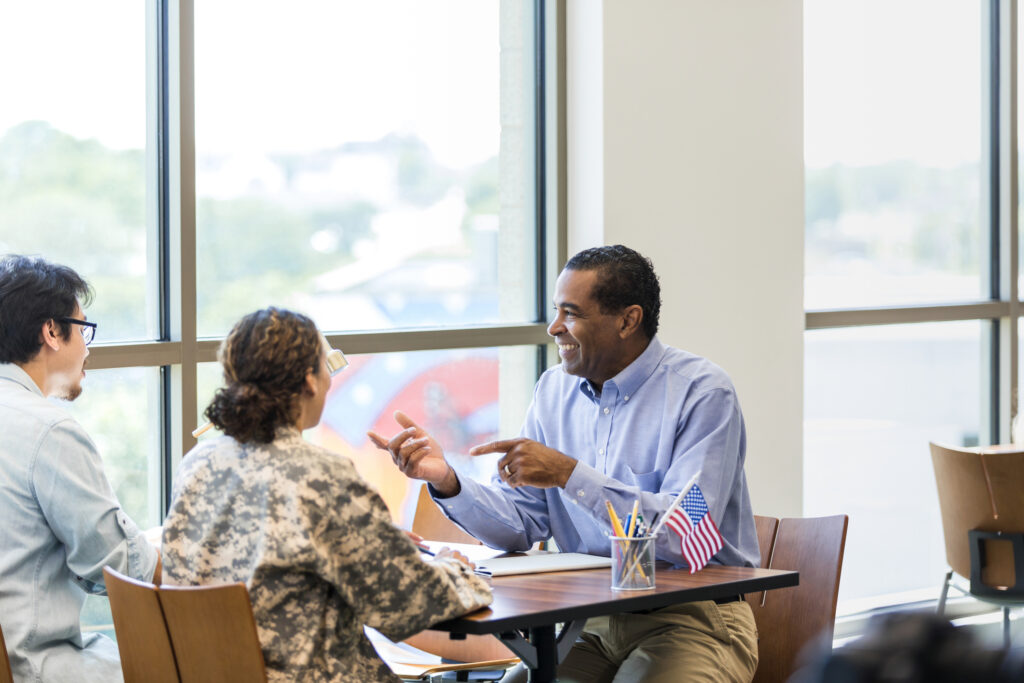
[(632, 563)]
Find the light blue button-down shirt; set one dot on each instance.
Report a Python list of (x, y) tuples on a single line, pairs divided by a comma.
[(60, 524), (665, 417)]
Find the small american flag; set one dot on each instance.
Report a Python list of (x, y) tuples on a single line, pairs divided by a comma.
[(699, 539)]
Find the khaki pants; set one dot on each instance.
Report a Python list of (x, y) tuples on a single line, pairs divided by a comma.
[(697, 641)]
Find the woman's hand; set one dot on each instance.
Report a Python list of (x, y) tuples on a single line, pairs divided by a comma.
[(446, 552)]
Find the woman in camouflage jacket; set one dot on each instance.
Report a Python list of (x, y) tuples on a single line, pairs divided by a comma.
[(312, 541)]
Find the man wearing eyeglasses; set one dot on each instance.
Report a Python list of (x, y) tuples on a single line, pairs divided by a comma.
[(62, 522)]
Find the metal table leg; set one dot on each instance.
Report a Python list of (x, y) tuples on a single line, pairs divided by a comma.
[(544, 650)]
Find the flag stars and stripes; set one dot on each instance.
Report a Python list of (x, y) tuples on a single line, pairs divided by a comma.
[(699, 538)]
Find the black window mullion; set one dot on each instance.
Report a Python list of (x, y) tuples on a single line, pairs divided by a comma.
[(164, 247)]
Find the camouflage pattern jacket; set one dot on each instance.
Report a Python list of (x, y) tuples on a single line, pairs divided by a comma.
[(315, 545)]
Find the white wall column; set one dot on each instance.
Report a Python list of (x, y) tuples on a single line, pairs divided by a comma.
[(685, 142)]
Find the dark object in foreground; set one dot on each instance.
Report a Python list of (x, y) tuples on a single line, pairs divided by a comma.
[(912, 648)]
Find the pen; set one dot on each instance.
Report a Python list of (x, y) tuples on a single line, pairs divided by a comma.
[(427, 551), (632, 518)]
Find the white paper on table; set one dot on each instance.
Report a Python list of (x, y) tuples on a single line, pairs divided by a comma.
[(404, 660), (530, 562), (539, 561), (475, 552)]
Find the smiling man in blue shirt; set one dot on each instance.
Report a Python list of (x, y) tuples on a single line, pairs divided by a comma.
[(61, 521), (623, 418)]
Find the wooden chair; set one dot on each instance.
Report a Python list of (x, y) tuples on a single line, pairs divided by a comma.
[(983, 522), (145, 649), (766, 530), (431, 524), (475, 652), (767, 527), (5, 663), (213, 633), (789, 618)]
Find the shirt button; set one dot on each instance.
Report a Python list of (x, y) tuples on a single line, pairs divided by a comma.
[(600, 451), (607, 410), (625, 398), (451, 507), (580, 493)]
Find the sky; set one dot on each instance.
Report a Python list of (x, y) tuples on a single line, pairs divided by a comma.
[(892, 80), (293, 76)]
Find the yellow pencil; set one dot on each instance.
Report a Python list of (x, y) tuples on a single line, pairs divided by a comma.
[(616, 524)]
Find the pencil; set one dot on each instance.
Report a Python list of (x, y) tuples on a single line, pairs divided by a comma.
[(199, 431), (616, 524)]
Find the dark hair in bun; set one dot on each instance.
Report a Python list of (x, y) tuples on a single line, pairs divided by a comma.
[(265, 358)]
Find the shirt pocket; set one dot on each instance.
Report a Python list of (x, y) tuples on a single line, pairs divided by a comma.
[(647, 481)]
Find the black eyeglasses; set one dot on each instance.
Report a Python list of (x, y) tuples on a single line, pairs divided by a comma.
[(88, 329)]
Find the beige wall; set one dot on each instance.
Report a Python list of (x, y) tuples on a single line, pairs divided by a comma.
[(685, 141)]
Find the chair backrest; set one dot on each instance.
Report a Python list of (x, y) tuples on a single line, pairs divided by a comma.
[(146, 653), (766, 529), (431, 524), (213, 633), (5, 663), (789, 618), (980, 489)]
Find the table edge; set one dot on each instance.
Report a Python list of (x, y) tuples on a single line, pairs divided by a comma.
[(641, 601)]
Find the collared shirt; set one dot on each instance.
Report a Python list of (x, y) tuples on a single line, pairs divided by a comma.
[(667, 416), (61, 525), (315, 545)]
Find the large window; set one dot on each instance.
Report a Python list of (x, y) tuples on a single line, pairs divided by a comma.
[(382, 167), (73, 151), (370, 167), (911, 269), (893, 153)]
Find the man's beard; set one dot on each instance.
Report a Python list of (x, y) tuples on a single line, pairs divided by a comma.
[(71, 393)]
